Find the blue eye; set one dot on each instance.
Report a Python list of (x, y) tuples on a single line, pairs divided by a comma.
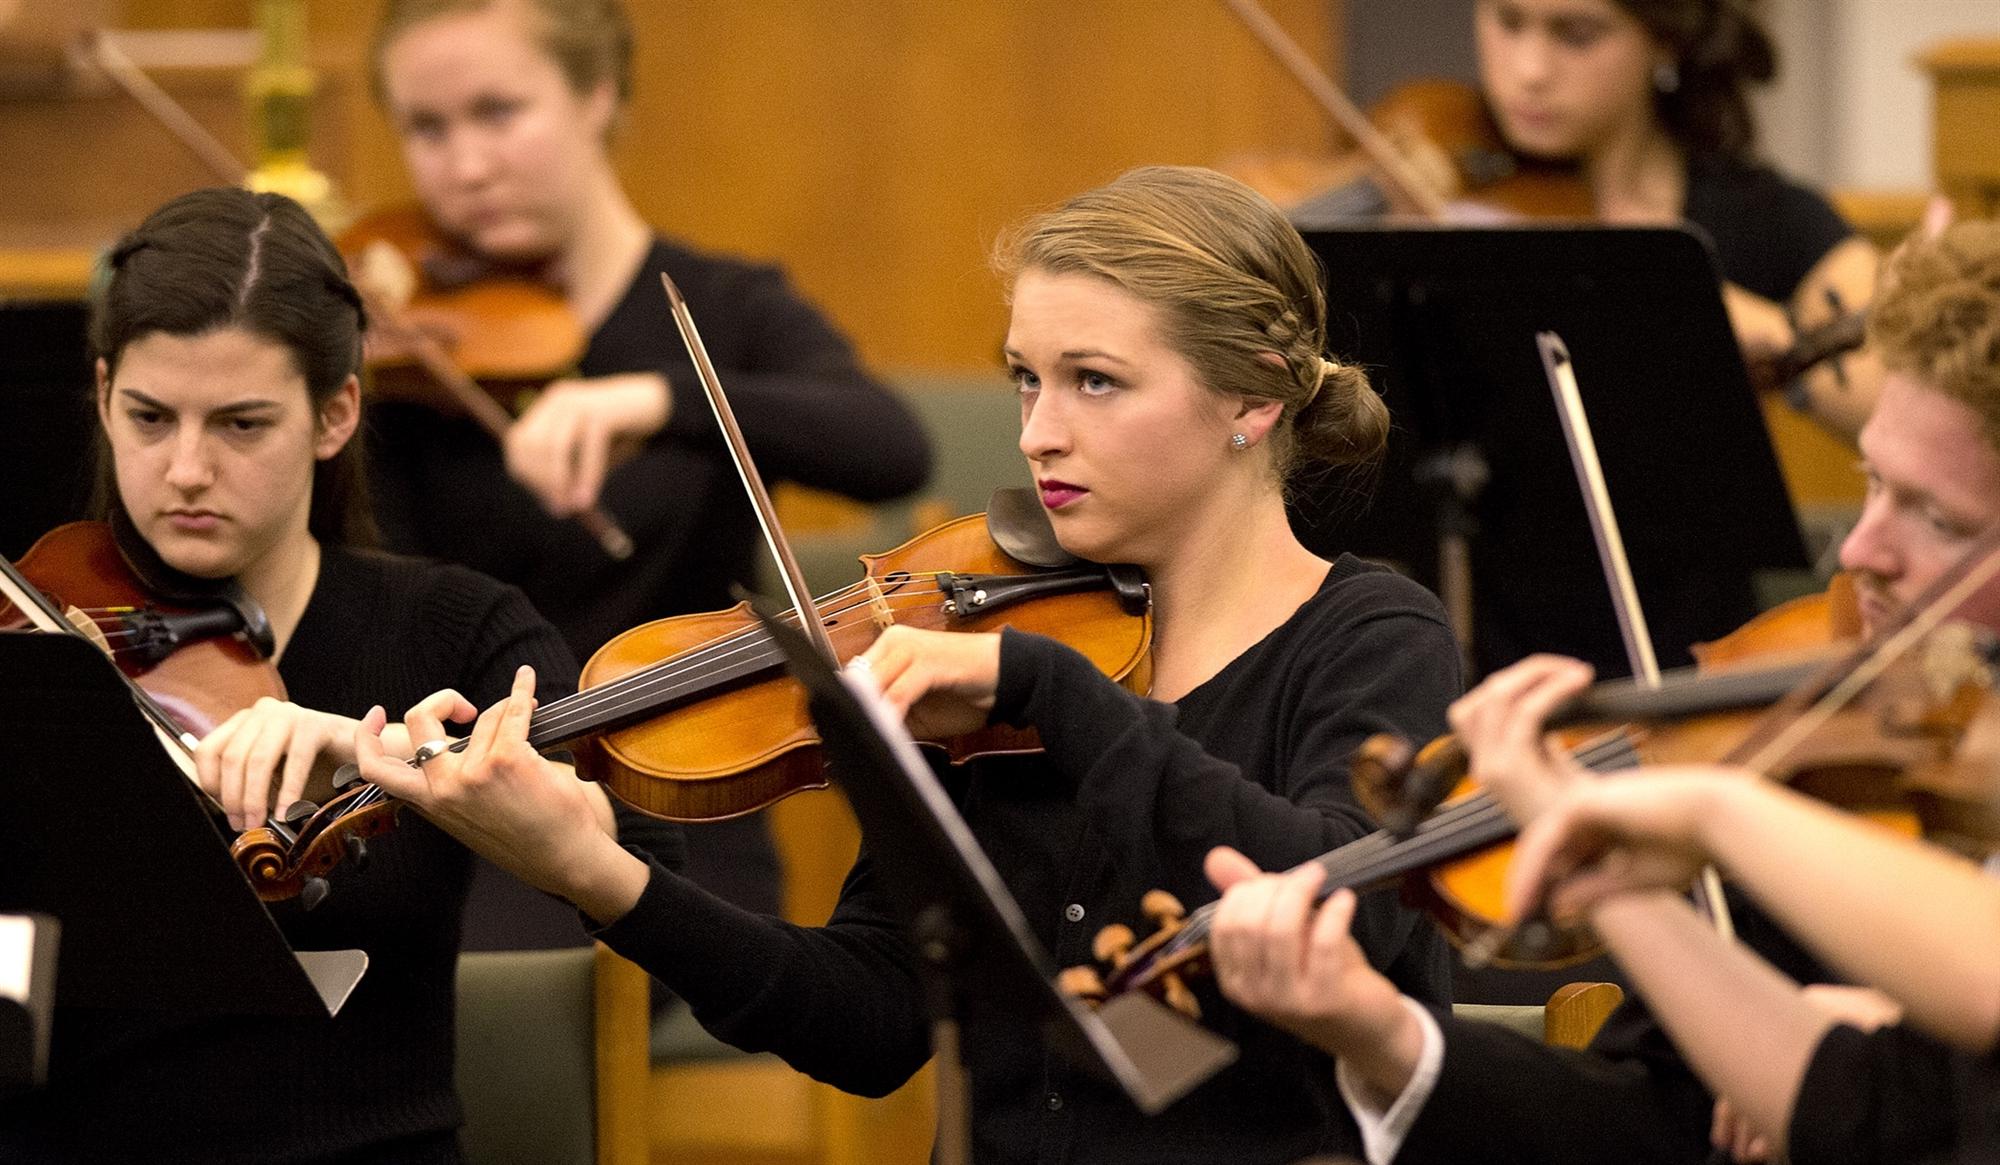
[(1095, 383), (1024, 380)]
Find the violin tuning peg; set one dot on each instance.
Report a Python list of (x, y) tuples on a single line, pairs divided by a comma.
[(1180, 997), (346, 777), (357, 851), (1083, 984), (314, 892), (1163, 908), (298, 813), (1112, 944)]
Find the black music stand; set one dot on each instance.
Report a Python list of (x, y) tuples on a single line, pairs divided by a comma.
[(1445, 319), (971, 937), (103, 833)]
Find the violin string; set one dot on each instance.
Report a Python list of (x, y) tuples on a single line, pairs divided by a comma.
[(656, 683), (1357, 862), (637, 687)]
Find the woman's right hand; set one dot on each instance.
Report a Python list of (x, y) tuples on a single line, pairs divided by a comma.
[(270, 743)]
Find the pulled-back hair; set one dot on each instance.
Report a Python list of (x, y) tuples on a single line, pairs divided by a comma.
[(589, 40), (1239, 292), (1720, 48), (1937, 318), (227, 258)]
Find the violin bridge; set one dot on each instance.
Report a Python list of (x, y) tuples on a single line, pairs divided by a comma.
[(878, 606), (89, 628)]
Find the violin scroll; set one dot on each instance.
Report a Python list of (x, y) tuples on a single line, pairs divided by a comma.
[(1133, 965), (290, 858)]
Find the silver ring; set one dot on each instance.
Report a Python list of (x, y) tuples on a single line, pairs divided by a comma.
[(430, 749)]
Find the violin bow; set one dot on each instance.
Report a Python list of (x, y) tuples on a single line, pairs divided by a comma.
[(477, 403), (746, 469), (1395, 168), (1561, 371)]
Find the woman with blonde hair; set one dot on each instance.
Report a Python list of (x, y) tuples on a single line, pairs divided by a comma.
[(1166, 340), (506, 111)]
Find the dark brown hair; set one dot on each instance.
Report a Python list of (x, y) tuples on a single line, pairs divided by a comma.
[(225, 258), (1719, 48)]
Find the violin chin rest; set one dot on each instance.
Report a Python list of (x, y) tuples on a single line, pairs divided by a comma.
[(1020, 526)]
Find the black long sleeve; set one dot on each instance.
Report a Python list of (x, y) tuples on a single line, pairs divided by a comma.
[(808, 410), (1894, 1094), (1127, 797), (1628, 1097), (374, 1082)]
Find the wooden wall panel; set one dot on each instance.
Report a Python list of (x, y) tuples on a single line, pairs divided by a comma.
[(877, 147)]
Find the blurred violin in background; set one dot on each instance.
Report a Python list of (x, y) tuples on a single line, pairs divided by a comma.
[(457, 333), (1432, 150)]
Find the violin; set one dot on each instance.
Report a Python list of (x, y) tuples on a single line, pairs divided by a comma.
[(199, 661), (1431, 148), (195, 653), (1867, 732), (726, 730), (507, 330), (694, 717), (459, 334)]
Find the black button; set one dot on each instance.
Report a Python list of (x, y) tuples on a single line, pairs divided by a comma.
[(1055, 1102)]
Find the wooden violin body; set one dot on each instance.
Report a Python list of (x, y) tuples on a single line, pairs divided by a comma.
[(197, 664), (508, 331), (1914, 749), (1891, 755), (739, 739), (192, 667)]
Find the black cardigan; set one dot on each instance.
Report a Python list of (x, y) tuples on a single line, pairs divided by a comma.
[(1130, 795), (373, 1083)]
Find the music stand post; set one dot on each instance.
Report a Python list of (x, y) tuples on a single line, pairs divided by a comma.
[(1444, 318), (971, 938), (104, 834)]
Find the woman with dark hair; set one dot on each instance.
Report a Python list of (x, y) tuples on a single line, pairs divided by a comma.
[(1649, 98), (1167, 340), (228, 344)]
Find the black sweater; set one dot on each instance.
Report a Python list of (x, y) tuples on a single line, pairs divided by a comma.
[(1895, 1094), (1130, 795), (809, 412), (373, 1083)]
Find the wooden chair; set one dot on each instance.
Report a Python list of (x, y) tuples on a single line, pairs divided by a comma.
[(1569, 1019), (552, 1057)]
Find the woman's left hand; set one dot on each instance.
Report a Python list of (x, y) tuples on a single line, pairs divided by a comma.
[(500, 797), (563, 447), (943, 682)]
